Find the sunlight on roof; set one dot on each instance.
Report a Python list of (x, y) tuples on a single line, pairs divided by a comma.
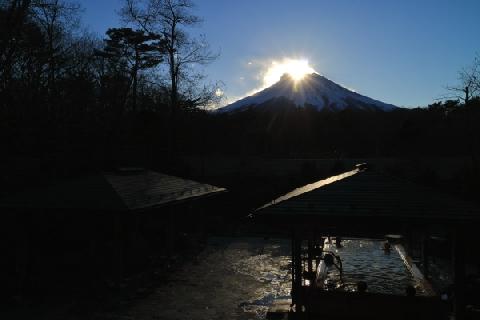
[(296, 68), (311, 187)]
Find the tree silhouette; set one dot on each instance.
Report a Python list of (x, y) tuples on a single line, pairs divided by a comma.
[(57, 19), (469, 82), (134, 49), (171, 18), (16, 33)]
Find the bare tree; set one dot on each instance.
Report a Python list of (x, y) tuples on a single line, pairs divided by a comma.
[(467, 89), (56, 18), (13, 18), (170, 19), (469, 82)]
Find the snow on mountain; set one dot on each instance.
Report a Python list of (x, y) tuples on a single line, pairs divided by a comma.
[(314, 90)]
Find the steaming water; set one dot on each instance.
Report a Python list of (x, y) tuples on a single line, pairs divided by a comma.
[(239, 278)]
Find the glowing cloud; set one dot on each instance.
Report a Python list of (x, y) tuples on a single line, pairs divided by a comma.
[(296, 68), (269, 72), (219, 92)]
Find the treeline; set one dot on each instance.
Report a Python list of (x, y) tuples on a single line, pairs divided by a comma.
[(279, 129), (133, 98), (65, 90)]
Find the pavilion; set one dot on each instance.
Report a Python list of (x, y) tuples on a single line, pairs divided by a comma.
[(368, 204), (97, 225)]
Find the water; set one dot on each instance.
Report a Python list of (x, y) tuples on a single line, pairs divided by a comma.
[(384, 272), (239, 278)]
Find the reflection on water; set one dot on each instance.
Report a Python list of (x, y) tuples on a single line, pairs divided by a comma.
[(364, 260), (239, 278), (270, 266)]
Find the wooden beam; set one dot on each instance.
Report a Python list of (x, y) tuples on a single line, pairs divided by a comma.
[(297, 289), (458, 255), (170, 231), (310, 256), (425, 252), (293, 267), (22, 255), (118, 249)]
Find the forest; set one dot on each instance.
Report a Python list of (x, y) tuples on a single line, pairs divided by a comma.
[(71, 101)]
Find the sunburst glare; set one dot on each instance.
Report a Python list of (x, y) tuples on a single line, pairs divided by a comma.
[(296, 68)]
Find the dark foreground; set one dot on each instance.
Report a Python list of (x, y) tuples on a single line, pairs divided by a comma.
[(231, 278)]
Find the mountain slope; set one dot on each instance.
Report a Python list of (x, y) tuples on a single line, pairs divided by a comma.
[(314, 90)]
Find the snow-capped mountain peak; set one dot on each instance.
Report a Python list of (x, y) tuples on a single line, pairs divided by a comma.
[(313, 90)]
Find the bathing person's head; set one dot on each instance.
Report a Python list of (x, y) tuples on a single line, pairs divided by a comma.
[(361, 286), (410, 291), (328, 258), (338, 242)]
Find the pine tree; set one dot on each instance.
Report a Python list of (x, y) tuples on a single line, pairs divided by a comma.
[(134, 49)]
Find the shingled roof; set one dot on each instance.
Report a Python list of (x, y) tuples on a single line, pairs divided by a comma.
[(369, 194), (121, 190), (149, 189)]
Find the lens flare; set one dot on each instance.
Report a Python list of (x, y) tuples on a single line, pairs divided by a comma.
[(296, 68)]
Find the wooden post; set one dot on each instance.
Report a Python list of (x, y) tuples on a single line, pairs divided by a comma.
[(459, 273), (297, 289), (310, 257), (22, 262), (410, 243), (118, 249), (318, 245), (293, 269), (425, 252), (170, 232)]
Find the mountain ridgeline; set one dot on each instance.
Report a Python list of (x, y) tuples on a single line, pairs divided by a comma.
[(313, 90)]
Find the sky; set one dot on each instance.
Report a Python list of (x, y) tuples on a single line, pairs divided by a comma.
[(400, 52)]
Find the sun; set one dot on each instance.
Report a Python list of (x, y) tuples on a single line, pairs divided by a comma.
[(296, 68)]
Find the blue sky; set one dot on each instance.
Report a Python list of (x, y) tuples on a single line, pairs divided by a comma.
[(400, 52)]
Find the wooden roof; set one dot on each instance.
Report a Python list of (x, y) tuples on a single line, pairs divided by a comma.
[(125, 190), (368, 194), (149, 189)]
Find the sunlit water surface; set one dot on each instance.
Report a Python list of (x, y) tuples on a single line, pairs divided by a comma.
[(237, 278), (383, 271)]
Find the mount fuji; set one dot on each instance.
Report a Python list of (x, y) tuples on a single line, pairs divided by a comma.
[(313, 90)]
